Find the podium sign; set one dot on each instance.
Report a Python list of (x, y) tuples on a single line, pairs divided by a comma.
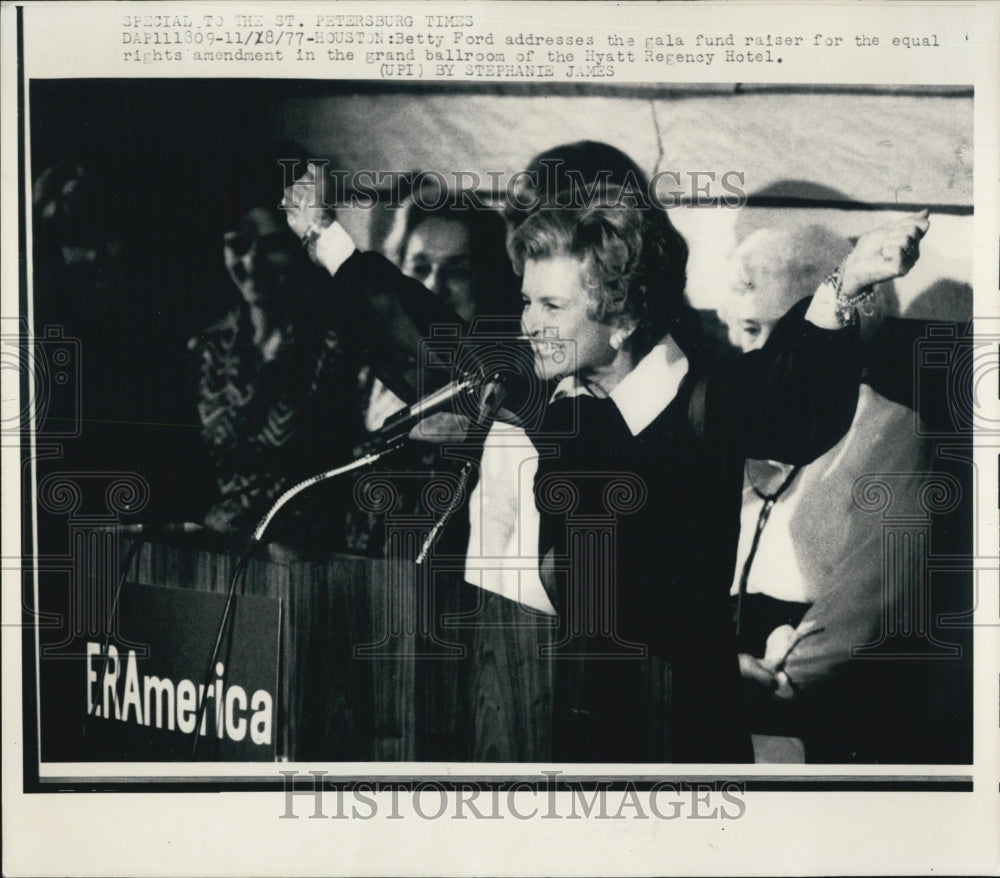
[(141, 692)]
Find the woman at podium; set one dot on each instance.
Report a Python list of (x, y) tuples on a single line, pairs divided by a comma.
[(634, 513)]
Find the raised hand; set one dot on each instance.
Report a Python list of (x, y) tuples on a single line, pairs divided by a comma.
[(884, 253), (304, 203)]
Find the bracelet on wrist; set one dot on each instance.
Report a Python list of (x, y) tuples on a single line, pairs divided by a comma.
[(845, 304)]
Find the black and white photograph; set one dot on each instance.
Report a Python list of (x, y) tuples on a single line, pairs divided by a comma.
[(568, 420)]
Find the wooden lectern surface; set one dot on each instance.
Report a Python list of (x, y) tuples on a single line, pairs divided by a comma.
[(387, 661)]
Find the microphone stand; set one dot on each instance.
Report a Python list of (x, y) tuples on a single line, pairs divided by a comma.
[(446, 516), (124, 569), (489, 407), (493, 396), (369, 458), (256, 542)]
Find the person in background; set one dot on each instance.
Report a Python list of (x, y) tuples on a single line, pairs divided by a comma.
[(458, 253), (810, 575), (276, 387), (80, 292)]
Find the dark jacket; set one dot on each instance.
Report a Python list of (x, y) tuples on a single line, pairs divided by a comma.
[(639, 533)]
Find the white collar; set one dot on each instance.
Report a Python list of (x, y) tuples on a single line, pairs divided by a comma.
[(646, 391)]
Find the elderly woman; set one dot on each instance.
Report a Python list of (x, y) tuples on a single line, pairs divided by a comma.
[(640, 455), (809, 583)]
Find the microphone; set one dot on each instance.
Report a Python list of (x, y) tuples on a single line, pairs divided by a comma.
[(391, 435), (397, 427)]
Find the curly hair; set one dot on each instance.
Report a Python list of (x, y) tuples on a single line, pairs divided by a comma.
[(633, 263), (564, 173)]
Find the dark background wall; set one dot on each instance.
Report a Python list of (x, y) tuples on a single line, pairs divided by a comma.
[(167, 165)]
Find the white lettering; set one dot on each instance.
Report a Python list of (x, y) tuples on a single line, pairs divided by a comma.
[(260, 722), (186, 703), (148, 700), (219, 703), (236, 728), (92, 650), (132, 693), (163, 692), (111, 682), (202, 709)]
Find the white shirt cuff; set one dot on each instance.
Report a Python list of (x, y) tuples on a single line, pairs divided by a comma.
[(822, 311), (334, 247)]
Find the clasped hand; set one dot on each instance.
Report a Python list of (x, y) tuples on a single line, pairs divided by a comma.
[(305, 203), (884, 253)]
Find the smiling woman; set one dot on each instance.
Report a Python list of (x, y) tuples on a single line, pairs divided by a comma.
[(558, 320), (600, 288)]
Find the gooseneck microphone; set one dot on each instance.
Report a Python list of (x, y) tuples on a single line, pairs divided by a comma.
[(483, 407), (392, 433), (470, 395)]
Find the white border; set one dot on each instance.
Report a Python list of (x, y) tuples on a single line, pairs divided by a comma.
[(788, 832)]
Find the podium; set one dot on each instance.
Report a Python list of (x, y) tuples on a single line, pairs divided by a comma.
[(387, 661), (377, 661)]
